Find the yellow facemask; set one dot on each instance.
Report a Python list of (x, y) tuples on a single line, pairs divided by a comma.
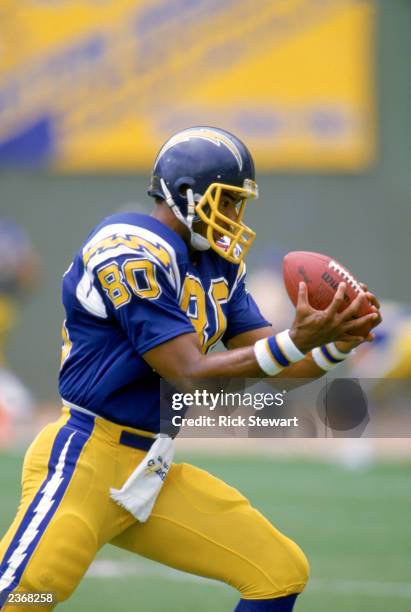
[(239, 235)]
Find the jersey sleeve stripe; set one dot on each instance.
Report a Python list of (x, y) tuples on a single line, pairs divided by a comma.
[(122, 238), (242, 271)]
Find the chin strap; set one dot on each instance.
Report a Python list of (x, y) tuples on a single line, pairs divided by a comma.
[(191, 208), (198, 242), (171, 204)]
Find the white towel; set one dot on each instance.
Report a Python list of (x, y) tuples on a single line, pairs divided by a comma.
[(140, 491)]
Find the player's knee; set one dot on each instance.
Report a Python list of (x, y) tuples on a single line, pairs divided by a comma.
[(300, 571), (283, 570), (59, 564), (292, 572)]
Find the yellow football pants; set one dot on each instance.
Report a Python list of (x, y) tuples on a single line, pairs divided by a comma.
[(199, 524)]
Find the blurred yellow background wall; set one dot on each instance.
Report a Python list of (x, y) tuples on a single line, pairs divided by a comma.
[(100, 84)]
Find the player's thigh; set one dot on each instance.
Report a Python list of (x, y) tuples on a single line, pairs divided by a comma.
[(202, 525), (52, 539)]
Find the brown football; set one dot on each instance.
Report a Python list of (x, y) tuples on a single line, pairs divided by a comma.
[(322, 275)]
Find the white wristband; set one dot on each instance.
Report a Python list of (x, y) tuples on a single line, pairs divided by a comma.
[(288, 347), (336, 353), (275, 353), (328, 357)]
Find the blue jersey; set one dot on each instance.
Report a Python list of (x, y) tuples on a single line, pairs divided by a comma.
[(130, 288)]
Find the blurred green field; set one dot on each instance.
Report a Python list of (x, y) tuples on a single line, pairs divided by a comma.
[(353, 525)]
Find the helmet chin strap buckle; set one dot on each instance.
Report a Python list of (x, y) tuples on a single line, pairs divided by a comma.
[(198, 242)]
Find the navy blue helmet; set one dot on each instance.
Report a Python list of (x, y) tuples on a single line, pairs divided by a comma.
[(192, 171)]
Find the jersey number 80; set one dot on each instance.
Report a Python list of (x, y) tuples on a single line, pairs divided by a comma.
[(135, 274)]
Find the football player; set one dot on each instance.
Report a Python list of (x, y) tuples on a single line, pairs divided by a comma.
[(148, 297)]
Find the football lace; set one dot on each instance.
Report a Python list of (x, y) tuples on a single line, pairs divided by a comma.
[(345, 275)]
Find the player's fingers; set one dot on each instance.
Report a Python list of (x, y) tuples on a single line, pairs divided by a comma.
[(376, 311), (353, 309), (338, 300), (364, 286), (356, 324), (378, 319), (352, 339), (372, 299), (302, 301)]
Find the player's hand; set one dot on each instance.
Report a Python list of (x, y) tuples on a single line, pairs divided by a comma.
[(313, 327), (347, 346)]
